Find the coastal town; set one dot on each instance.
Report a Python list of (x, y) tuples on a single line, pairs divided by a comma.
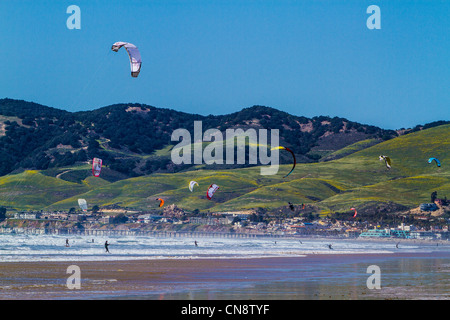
[(423, 223)]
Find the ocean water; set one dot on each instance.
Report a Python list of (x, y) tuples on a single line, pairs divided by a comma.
[(32, 248), (154, 268)]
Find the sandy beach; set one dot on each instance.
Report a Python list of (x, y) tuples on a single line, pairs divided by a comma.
[(320, 276)]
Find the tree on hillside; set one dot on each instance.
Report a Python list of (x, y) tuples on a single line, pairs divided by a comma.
[(120, 218), (2, 214), (433, 196)]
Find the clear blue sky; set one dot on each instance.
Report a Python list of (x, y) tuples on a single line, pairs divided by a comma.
[(215, 57)]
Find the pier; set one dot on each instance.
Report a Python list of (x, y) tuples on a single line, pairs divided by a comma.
[(135, 232)]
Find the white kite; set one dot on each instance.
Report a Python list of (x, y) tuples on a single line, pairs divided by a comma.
[(191, 185), (211, 190), (133, 53), (83, 204)]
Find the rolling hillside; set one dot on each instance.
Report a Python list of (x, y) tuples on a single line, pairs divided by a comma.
[(135, 139), (357, 180)]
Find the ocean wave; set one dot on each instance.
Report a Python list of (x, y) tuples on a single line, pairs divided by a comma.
[(23, 248)]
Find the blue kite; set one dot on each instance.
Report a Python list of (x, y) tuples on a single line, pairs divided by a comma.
[(438, 163)]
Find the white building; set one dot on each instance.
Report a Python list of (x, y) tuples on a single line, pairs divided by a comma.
[(26, 215)]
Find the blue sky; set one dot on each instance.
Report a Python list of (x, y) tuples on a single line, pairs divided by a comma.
[(305, 57)]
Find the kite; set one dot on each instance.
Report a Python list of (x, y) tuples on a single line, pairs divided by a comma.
[(355, 212), (96, 167), (191, 185), (210, 192), (438, 163), (293, 156), (161, 202), (387, 161), (83, 204), (134, 55)]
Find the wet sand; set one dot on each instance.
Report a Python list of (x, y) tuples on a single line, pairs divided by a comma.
[(320, 276)]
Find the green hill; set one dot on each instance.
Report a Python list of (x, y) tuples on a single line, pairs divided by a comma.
[(357, 180), (135, 139), (35, 191), (410, 181)]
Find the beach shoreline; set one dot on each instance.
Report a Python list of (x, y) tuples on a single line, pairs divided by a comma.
[(209, 279)]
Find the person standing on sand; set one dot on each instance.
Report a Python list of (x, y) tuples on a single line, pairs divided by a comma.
[(106, 246)]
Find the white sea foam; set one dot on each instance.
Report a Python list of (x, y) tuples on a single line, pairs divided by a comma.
[(18, 248)]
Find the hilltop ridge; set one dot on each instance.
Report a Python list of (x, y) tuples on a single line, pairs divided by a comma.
[(135, 139)]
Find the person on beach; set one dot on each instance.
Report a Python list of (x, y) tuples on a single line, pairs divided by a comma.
[(106, 246)]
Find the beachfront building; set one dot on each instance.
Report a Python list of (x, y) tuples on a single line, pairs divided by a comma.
[(397, 233), (423, 235), (385, 233), (352, 233), (429, 235), (375, 233)]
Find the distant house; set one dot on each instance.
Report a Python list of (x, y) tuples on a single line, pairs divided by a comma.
[(76, 217), (352, 233), (27, 215), (424, 235), (91, 219), (148, 218), (143, 218), (106, 219), (210, 220), (58, 216)]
